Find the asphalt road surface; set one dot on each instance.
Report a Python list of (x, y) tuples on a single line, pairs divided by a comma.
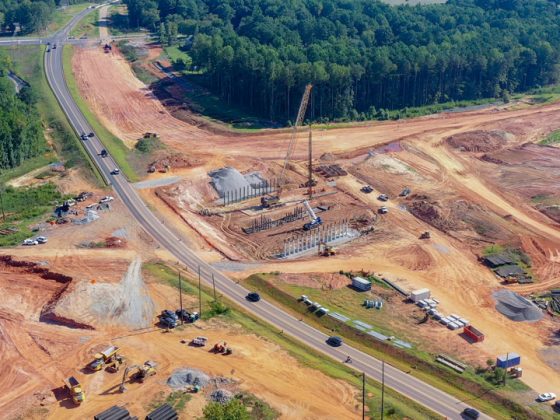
[(415, 389)]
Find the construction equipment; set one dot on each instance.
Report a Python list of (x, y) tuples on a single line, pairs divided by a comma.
[(141, 373), (326, 250), (366, 189), (270, 201), (425, 235), (108, 358), (405, 192), (222, 348), (315, 221), (75, 389), (199, 341)]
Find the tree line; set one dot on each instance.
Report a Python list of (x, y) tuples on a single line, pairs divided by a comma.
[(21, 133), (362, 56), (31, 15)]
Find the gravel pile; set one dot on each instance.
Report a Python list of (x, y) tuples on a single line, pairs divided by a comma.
[(230, 179), (221, 396), (516, 307), (186, 377)]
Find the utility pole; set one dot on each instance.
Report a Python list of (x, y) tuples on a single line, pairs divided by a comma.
[(214, 286), (180, 297), (2, 204), (199, 294), (309, 164), (506, 369), (382, 389), (363, 396)]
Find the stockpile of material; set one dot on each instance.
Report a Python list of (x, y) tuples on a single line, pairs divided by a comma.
[(230, 180), (185, 377), (516, 307), (221, 396)]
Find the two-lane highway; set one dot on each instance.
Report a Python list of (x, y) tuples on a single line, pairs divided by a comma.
[(436, 400)]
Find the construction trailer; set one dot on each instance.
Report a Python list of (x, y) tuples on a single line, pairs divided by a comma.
[(420, 294), (476, 335), (508, 360), (361, 284)]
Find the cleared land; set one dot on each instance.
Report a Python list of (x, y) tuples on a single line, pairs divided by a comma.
[(467, 197)]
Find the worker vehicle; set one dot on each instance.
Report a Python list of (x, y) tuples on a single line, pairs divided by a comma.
[(315, 221), (167, 322), (326, 250), (104, 153), (383, 197), (141, 372), (547, 396), (405, 192), (107, 358), (76, 391), (115, 171), (253, 297), (269, 201), (169, 314), (187, 316), (30, 242), (425, 235), (41, 239), (470, 413), (383, 210), (106, 199), (366, 189), (199, 341), (334, 341)]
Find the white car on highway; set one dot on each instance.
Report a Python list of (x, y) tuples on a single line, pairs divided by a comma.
[(547, 396), (106, 199)]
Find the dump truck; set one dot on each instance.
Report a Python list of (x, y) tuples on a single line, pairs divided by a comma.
[(108, 358), (76, 391)]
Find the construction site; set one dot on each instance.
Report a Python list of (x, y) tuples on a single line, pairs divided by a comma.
[(361, 219), (418, 201)]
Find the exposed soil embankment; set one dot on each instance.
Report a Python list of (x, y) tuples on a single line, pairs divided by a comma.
[(479, 140)]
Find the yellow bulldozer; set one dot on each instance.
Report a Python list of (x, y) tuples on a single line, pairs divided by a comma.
[(109, 359), (326, 250), (76, 391)]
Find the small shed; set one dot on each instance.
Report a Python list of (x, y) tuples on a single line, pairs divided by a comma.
[(361, 284), (508, 360)]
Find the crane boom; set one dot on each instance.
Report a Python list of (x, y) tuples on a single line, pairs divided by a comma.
[(293, 139)]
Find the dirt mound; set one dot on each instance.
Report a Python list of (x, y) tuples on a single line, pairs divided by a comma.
[(175, 161), (327, 157), (431, 213), (479, 140), (551, 211), (316, 280), (413, 257)]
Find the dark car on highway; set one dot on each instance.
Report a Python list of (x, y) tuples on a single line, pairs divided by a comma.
[(334, 341), (253, 297), (470, 413)]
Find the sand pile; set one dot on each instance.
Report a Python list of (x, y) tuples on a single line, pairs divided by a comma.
[(181, 378), (516, 307), (229, 180)]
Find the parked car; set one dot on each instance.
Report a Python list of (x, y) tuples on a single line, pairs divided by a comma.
[(91, 206), (169, 314), (106, 199), (334, 341), (383, 197), (115, 171), (253, 297), (30, 242), (186, 315), (168, 322), (366, 189), (547, 396), (41, 239), (383, 210), (470, 413)]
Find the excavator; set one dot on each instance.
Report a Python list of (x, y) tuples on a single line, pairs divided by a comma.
[(140, 373), (109, 359), (76, 390)]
